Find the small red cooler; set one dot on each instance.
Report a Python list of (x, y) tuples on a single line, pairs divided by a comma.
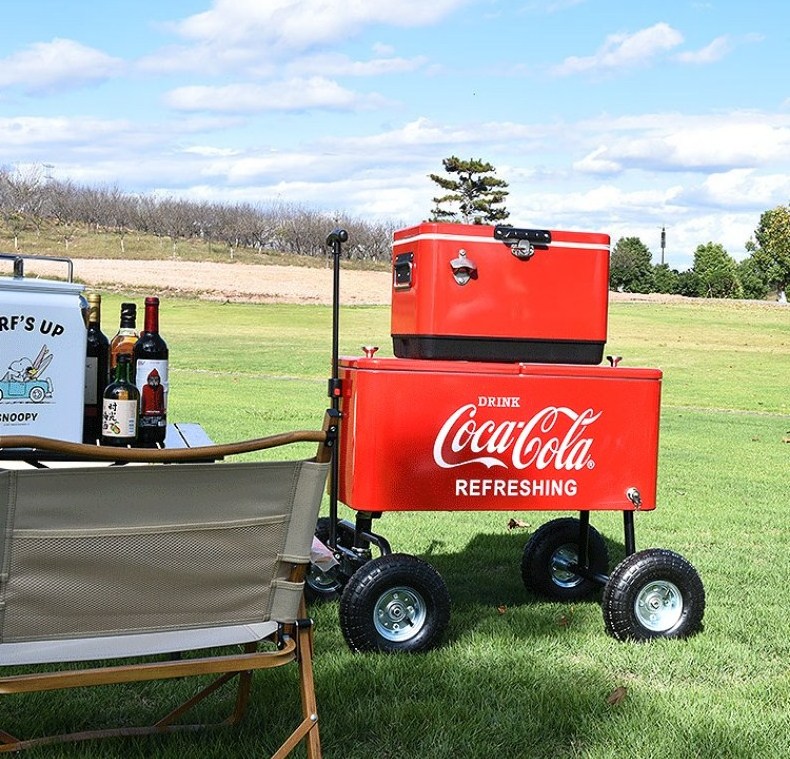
[(483, 293), (470, 436)]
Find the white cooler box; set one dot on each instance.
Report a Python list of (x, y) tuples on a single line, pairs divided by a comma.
[(42, 355)]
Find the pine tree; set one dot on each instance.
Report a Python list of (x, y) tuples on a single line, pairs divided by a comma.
[(473, 197)]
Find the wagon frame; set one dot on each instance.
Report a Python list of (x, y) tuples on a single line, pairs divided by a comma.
[(396, 602)]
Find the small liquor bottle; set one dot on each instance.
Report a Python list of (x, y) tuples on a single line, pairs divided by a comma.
[(97, 371), (126, 337), (120, 407), (151, 377)]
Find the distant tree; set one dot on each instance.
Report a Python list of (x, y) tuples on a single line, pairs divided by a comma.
[(753, 280), (22, 200), (665, 280), (630, 269), (688, 283), (771, 254), (717, 274), (472, 194)]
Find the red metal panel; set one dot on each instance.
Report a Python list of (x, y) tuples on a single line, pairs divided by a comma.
[(457, 436), (558, 294)]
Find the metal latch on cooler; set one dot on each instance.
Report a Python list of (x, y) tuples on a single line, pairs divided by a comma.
[(522, 242)]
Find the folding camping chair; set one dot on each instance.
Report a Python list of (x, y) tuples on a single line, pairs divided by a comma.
[(154, 561)]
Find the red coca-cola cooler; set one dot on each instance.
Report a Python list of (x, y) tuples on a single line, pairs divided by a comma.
[(484, 293), (428, 435)]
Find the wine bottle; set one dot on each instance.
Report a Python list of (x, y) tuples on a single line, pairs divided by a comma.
[(120, 407), (126, 337), (97, 371), (151, 377)]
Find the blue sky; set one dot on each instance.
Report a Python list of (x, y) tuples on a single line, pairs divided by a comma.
[(602, 115)]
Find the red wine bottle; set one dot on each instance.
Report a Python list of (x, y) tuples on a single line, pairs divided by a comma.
[(151, 378)]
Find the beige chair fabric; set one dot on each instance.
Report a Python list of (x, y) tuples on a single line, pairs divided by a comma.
[(94, 552), (145, 559)]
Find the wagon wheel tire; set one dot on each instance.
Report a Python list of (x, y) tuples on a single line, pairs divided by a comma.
[(559, 540), (395, 603), (320, 586), (653, 594)]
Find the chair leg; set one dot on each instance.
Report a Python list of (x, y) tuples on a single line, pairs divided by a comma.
[(308, 728), (307, 689)]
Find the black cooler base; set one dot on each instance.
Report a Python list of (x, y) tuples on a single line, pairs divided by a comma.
[(442, 348)]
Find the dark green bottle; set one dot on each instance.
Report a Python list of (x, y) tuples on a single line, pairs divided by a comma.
[(97, 371), (121, 407)]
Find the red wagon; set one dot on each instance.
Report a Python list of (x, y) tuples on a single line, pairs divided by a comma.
[(506, 433)]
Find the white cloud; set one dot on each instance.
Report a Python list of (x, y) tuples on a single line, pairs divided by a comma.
[(291, 95), (740, 188), (209, 151), (597, 163), (235, 35), (696, 143), (29, 131), (623, 51), (61, 63), (336, 64), (714, 51), (301, 24)]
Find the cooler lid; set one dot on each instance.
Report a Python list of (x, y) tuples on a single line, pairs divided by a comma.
[(431, 366), (589, 372), (427, 366), (33, 285), (482, 233)]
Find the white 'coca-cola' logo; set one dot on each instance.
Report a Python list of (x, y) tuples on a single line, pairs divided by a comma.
[(554, 436)]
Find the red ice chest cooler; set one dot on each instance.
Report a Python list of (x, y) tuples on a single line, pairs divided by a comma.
[(422, 435), (483, 293)]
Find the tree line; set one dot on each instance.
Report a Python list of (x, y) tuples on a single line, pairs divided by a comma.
[(715, 273), (29, 199), (471, 195)]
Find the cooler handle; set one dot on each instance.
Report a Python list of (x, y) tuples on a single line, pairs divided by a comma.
[(522, 242), (510, 235), (19, 263)]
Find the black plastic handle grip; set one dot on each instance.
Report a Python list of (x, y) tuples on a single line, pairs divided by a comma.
[(506, 233)]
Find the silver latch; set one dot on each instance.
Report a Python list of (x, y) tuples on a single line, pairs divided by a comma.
[(464, 268), (523, 249), (633, 495)]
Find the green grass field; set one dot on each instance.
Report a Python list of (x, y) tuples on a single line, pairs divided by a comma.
[(517, 676)]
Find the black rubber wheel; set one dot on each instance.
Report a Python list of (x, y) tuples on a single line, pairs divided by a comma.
[(323, 586), (557, 541), (653, 594), (394, 603)]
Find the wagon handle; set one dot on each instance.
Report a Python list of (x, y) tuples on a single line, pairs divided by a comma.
[(166, 455), (335, 240)]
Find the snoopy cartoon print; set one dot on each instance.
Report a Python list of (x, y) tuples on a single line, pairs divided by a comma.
[(27, 370)]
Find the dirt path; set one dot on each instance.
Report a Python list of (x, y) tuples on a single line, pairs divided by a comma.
[(265, 283), (236, 282)]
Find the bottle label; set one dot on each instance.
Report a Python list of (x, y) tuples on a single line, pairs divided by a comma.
[(91, 375), (119, 418), (152, 381)]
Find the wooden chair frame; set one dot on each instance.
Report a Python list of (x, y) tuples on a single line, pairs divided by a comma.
[(292, 640)]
